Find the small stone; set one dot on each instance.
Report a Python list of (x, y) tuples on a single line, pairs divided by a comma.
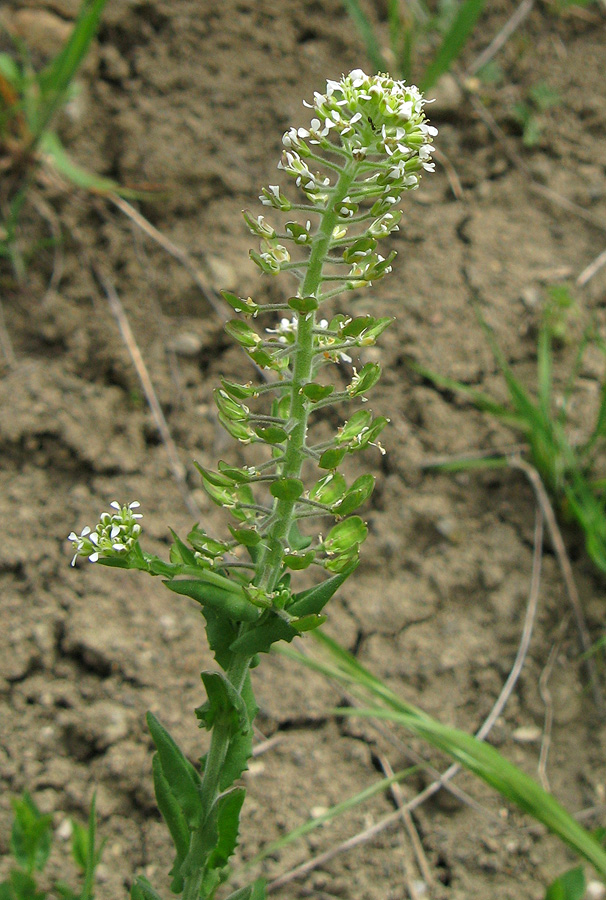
[(115, 67), (90, 733), (223, 273), (186, 344), (65, 830), (527, 734), (530, 297), (317, 811), (595, 891), (448, 97), (42, 31)]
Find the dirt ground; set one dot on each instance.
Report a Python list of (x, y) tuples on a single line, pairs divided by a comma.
[(193, 96)]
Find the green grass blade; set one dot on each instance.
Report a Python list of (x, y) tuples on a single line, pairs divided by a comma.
[(337, 810), (80, 177), (367, 33), (476, 756), (56, 79), (544, 370), (488, 764), (480, 400), (453, 42)]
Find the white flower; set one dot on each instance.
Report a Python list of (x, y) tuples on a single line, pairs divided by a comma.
[(115, 534)]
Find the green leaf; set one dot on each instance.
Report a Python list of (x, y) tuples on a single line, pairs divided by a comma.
[(313, 600), (365, 379), (299, 561), (345, 535), (31, 834), (287, 489), (180, 552), (233, 605), (242, 333), (221, 631), (21, 886), (248, 537), (332, 458), (183, 779), (329, 488), (175, 822), (228, 808), (303, 304), (64, 891), (241, 743), (254, 891), (569, 886), (223, 701), (356, 495), (241, 305), (142, 890), (354, 426), (316, 392), (271, 434), (261, 638)]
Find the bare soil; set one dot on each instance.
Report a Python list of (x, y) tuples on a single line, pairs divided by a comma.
[(193, 97)]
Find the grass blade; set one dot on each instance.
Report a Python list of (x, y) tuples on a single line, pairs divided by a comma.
[(55, 81), (453, 42), (337, 810), (476, 756), (367, 33)]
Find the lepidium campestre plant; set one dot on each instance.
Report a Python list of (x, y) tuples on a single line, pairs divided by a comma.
[(368, 142)]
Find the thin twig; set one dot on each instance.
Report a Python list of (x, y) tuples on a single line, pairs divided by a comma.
[(501, 37), (451, 173), (179, 253), (177, 467), (534, 478), (413, 835), (592, 269), (515, 160), (5, 341), (46, 212), (548, 702)]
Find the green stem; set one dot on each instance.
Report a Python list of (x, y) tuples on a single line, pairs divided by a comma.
[(270, 563), (215, 760)]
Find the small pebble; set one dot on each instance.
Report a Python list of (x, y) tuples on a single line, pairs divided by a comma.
[(527, 734), (186, 344)]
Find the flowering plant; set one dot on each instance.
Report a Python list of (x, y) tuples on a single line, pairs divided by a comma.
[(367, 143)]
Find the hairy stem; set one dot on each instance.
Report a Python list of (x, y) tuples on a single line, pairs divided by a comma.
[(270, 563)]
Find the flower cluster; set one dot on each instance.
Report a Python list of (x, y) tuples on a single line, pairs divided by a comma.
[(114, 535)]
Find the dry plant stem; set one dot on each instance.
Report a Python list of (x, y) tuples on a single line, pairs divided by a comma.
[(367, 835), (547, 700), (592, 269), (566, 569), (502, 36), (5, 342), (514, 159), (175, 463), (179, 253), (417, 846), (451, 173)]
